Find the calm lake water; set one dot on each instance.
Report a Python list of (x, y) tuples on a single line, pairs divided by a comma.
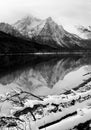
[(43, 74)]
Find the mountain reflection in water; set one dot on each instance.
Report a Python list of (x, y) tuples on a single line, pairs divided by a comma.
[(43, 75)]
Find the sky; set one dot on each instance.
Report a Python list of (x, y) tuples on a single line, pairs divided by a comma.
[(69, 13)]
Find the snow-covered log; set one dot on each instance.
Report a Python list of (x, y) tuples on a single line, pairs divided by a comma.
[(72, 122)]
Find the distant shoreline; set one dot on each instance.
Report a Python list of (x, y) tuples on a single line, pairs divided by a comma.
[(48, 53)]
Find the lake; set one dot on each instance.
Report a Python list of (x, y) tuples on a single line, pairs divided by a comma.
[(44, 74)]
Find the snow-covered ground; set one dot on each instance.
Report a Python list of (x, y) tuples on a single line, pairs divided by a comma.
[(56, 112), (72, 121)]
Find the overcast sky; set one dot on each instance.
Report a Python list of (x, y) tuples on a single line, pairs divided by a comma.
[(65, 12)]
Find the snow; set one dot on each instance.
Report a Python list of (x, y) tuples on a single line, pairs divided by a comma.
[(56, 116), (50, 117), (44, 113), (70, 123)]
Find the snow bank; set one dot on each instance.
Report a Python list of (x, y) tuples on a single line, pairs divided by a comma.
[(71, 122)]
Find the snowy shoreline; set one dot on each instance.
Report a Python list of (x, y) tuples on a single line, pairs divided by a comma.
[(47, 112)]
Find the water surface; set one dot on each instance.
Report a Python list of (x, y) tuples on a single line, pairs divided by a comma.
[(43, 74)]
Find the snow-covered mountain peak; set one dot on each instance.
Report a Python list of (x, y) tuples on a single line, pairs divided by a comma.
[(46, 32), (30, 19), (26, 24), (84, 32), (49, 19)]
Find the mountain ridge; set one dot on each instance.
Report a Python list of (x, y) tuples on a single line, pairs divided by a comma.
[(41, 35), (45, 31)]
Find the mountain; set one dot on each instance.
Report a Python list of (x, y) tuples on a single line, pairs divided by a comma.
[(26, 25), (12, 41), (12, 44), (85, 32), (47, 32), (31, 34), (9, 29)]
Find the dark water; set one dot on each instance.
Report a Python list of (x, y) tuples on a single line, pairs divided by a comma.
[(43, 74)]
